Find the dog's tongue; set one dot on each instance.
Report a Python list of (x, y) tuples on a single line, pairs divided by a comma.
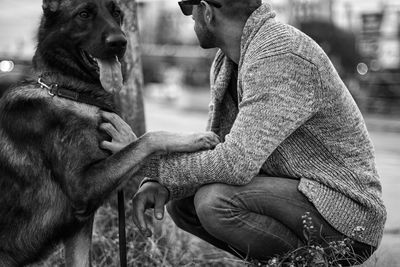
[(110, 74)]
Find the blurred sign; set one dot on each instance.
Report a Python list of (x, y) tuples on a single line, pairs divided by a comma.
[(379, 40), (389, 53), (370, 34), (369, 47), (371, 23)]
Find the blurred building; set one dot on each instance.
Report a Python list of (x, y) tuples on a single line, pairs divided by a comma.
[(370, 29), (376, 23), (377, 27), (295, 11)]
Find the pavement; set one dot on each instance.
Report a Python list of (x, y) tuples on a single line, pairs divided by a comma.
[(384, 132), (387, 149)]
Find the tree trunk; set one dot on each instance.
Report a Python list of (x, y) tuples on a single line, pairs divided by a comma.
[(130, 99)]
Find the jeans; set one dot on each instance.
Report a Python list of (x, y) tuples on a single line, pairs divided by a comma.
[(259, 220)]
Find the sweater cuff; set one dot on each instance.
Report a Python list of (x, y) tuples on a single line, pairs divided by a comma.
[(150, 168), (147, 180), (180, 192)]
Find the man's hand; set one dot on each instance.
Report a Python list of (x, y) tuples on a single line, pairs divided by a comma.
[(150, 195), (160, 141), (120, 132)]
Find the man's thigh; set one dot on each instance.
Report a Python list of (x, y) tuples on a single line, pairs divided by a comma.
[(275, 197)]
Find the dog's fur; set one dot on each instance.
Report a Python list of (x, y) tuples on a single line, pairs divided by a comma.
[(53, 175)]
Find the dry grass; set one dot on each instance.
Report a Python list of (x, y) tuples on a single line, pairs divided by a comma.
[(169, 247)]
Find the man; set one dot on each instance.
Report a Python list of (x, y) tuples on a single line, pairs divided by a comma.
[(292, 141)]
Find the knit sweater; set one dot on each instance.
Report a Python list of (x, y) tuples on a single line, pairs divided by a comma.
[(294, 118)]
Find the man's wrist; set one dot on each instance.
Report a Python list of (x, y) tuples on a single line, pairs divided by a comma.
[(146, 180)]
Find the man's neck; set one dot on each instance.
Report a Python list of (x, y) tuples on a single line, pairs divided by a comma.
[(232, 52), (231, 41)]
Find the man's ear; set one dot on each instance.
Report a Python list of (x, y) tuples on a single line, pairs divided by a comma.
[(51, 5), (208, 12)]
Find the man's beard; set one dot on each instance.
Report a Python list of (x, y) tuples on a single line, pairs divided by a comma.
[(205, 36)]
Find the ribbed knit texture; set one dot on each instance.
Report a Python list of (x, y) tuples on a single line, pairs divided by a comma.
[(295, 119)]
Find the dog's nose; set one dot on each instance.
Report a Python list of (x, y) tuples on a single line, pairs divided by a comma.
[(116, 42)]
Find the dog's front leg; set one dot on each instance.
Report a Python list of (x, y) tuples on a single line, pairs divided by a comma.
[(78, 247), (90, 178)]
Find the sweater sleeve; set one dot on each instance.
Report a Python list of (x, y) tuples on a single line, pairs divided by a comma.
[(278, 97)]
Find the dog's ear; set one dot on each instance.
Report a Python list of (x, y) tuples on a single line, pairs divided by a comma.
[(51, 5)]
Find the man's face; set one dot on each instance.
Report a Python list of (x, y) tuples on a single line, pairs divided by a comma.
[(204, 35)]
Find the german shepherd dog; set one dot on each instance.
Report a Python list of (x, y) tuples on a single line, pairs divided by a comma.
[(53, 174)]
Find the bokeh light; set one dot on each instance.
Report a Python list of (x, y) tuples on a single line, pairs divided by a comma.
[(6, 66), (362, 68)]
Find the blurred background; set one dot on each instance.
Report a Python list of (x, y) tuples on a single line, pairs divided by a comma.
[(362, 38)]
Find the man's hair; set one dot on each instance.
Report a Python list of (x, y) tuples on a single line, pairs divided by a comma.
[(239, 9)]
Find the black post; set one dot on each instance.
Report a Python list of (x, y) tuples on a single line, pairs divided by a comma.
[(121, 229)]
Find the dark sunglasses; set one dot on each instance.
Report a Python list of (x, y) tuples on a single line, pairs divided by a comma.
[(187, 5)]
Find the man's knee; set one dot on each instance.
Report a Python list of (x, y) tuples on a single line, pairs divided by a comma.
[(214, 206)]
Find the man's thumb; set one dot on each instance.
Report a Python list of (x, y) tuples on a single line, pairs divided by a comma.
[(159, 207)]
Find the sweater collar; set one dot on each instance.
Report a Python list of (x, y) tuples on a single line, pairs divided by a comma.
[(223, 66), (256, 20)]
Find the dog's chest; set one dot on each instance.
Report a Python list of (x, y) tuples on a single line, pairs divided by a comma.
[(82, 110)]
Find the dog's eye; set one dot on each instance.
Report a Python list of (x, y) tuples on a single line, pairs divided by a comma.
[(84, 15), (116, 13)]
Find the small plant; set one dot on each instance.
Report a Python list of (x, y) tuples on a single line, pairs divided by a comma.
[(335, 254)]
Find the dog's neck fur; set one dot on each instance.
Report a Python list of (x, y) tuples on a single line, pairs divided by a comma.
[(53, 55), (57, 64)]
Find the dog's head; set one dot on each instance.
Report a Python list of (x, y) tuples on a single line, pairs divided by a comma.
[(91, 31)]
